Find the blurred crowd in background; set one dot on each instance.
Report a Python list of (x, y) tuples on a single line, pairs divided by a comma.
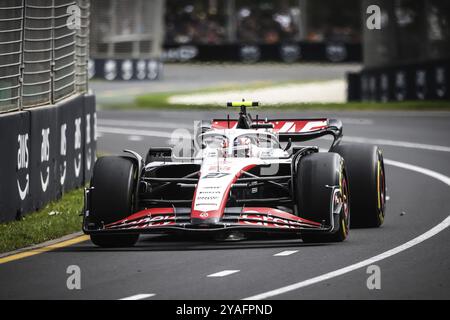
[(262, 22), (410, 29), (267, 24), (193, 23)]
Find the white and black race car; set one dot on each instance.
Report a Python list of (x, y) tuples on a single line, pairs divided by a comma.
[(238, 179)]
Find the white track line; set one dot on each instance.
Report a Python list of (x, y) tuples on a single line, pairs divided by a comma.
[(427, 172), (223, 273), (430, 233), (396, 143), (285, 253), (139, 296)]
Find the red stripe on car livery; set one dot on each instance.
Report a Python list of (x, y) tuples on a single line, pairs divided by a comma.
[(279, 126)]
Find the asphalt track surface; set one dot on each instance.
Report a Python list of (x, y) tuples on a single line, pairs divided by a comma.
[(163, 267)]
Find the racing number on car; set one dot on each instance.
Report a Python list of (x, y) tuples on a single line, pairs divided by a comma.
[(216, 175)]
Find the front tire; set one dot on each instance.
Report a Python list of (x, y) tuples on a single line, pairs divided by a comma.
[(366, 175), (318, 175), (113, 184)]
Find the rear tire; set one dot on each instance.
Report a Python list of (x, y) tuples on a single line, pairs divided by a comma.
[(316, 174), (365, 168), (113, 183)]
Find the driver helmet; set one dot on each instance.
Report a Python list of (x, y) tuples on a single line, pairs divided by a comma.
[(242, 147)]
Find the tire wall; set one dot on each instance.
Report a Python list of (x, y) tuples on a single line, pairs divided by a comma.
[(45, 152)]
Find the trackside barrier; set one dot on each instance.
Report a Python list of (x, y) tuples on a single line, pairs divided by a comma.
[(71, 123), (43, 155), (151, 69), (125, 69), (90, 143), (420, 81), (46, 151), (15, 163), (290, 52)]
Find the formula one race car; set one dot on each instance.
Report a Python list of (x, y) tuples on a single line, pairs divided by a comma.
[(239, 179)]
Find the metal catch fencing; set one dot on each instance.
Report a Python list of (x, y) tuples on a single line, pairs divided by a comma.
[(44, 51)]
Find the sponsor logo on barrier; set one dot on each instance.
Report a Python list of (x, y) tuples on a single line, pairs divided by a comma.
[(45, 157), (421, 84), (441, 87), (141, 70), (250, 54), (153, 70), (110, 70), (91, 69), (63, 152), (400, 86), (290, 53), (183, 53), (88, 141), (127, 69), (23, 160), (77, 165), (336, 52)]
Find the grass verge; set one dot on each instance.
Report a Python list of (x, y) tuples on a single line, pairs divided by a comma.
[(55, 220)]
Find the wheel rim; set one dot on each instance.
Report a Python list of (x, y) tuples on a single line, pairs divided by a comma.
[(345, 205), (381, 190)]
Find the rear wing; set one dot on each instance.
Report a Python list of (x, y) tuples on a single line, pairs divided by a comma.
[(289, 129)]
